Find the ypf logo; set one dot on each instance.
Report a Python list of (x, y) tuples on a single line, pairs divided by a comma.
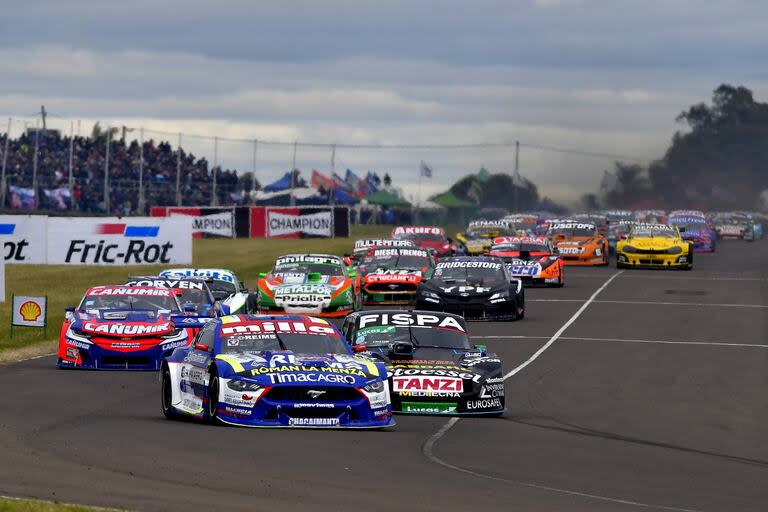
[(30, 311)]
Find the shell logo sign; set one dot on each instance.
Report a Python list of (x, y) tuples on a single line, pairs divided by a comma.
[(29, 311)]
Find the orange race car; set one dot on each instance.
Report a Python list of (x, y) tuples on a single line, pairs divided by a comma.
[(578, 243)]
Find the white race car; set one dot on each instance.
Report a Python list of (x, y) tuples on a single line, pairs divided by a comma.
[(224, 286)]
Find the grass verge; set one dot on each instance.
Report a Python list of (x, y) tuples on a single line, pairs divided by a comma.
[(64, 284), (25, 505)]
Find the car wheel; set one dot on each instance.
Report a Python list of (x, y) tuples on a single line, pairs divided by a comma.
[(166, 393), (252, 303), (689, 266), (213, 395)]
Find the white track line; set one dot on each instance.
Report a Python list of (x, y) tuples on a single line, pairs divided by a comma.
[(625, 340), (670, 278), (649, 303), (429, 445)]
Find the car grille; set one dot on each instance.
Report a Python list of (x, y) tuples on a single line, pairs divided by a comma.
[(651, 262), (651, 251), (124, 360), (388, 288), (301, 394)]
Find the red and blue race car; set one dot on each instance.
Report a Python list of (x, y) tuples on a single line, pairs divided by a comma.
[(122, 328)]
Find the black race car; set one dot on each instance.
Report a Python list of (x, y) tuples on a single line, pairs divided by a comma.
[(432, 368), (477, 288)]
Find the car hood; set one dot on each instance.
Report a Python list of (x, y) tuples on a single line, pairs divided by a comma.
[(652, 243), (282, 367), (463, 289), (124, 324)]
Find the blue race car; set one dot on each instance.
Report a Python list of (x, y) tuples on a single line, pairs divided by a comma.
[(275, 371)]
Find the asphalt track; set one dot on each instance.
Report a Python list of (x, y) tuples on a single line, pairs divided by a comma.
[(653, 398)]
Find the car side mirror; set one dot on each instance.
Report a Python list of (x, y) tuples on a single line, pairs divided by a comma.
[(359, 348), (262, 274), (449, 240), (352, 273), (201, 347), (242, 286), (225, 309), (348, 261), (69, 309)]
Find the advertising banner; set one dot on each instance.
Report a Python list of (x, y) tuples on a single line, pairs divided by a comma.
[(297, 222), (119, 241), (22, 238), (29, 311), (218, 222), (2, 280)]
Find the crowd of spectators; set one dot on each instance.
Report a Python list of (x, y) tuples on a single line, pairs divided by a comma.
[(88, 165)]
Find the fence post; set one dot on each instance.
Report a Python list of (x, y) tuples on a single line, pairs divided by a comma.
[(178, 172), (34, 165), (293, 174), (106, 172), (5, 164), (141, 171), (214, 200), (71, 164), (333, 171)]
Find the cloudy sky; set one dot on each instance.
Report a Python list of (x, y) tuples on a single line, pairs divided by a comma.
[(605, 76)]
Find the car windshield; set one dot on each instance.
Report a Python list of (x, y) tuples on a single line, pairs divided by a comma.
[(520, 246), (486, 232), (306, 344), (190, 296), (690, 226), (132, 302), (305, 267), (424, 237), (472, 273), (382, 335), (222, 288), (394, 259), (573, 229), (651, 233)]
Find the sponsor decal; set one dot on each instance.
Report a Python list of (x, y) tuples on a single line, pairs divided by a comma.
[(308, 258), (130, 329), (312, 378), (139, 292), (167, 283), (312, 405), (438, 372), (237, 411), (279, 326), (387, 253), (429, 408), (492, 388), (72, 353), (313, 422), (405, 319), (571, 225), (468, 264), (484, 404), (417, 230), (487, 224), (379, 242), (434, 385), (529, 269), (262, 370), (569, 249), (315, 224), (79, 344), (465, 289), (204, 273)]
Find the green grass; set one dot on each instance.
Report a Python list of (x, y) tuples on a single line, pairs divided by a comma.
[(64, 284), (21, 505)]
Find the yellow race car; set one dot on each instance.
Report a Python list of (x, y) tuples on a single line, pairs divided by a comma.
[(654, 246), (478, 237)]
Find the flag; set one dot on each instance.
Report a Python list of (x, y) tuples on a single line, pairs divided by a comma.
[(340, 183), (58, 198), (358, 186), (21, 197), (373, 182), (426, 171), (320, 180)]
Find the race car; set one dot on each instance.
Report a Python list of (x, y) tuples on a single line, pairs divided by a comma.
[(695, 229), (313, 284), (362, 247), (266, 371), (477, 288), (734, 226), (476, 240), (121, 328), (391, 275), (579, 243), (654, 246), (429, 238), (223, 284), (618, 230), (194, 295), (598, 219), (522, 224), (531, 259), (432, 367), (651, 216)]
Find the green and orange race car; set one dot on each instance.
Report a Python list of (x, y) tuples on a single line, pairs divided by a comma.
[(311, 284)]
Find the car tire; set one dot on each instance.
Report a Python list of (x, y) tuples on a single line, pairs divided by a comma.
[(252, 304), (689, 266), (166, 393), (213, 395)]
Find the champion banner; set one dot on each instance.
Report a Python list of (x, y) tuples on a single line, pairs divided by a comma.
[(293, 222)]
